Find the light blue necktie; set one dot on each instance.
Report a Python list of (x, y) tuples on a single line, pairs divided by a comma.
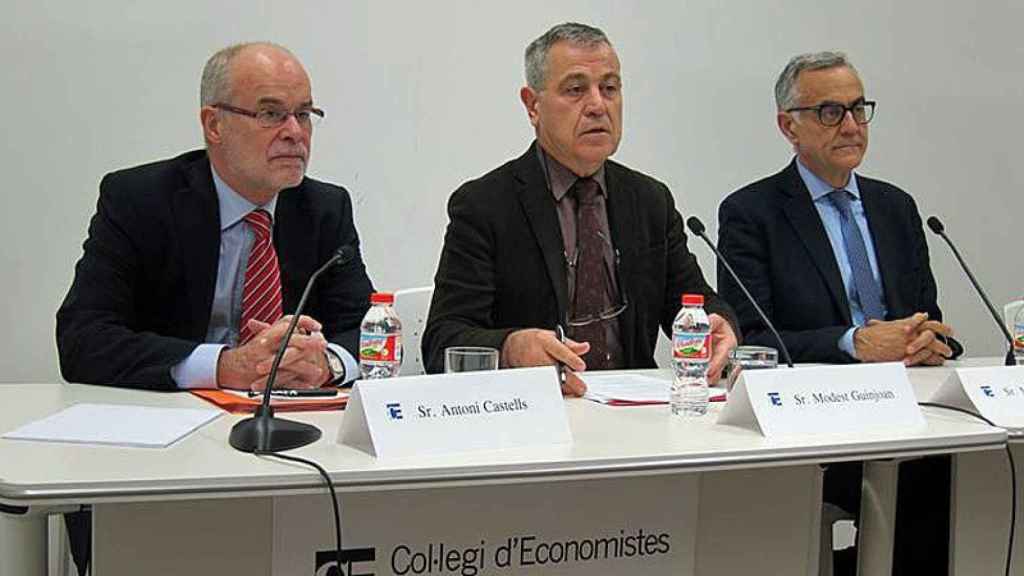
[(866, 289)]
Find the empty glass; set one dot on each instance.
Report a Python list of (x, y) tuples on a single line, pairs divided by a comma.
[(749, 358), (470, 359)]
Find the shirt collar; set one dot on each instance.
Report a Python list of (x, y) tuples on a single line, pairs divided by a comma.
[(234, 206), (819, 188), (561, 179)]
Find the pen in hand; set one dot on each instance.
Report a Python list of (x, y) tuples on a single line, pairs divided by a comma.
[(560, 366), (298, 393)]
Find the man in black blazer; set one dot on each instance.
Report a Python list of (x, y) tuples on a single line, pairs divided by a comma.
[(159, 294), (510, 271), (839, 263), (154, 288), (786, 242)]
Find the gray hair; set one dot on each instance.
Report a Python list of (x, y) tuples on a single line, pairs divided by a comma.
[(786, 95), (215, 85), (537, 52)]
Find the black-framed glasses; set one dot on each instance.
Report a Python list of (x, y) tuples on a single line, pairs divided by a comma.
[(832, 114), (612, 312), (272, 116)]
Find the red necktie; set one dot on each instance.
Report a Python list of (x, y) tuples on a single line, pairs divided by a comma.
[(261, 293)]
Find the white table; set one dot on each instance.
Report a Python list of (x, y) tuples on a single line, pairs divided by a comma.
[(980, 513), (205, 508)]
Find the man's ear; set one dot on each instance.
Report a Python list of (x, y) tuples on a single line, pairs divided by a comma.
[(785, 122), (211, 122), (529, 98)]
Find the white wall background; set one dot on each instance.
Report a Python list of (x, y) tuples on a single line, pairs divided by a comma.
[(422, 96)]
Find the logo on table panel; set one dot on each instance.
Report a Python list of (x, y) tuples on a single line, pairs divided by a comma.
[(394, 411), (775, 399), (987, 391), (327, 562)]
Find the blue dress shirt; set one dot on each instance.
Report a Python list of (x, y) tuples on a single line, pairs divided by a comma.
[(829, 214), (199, 369)]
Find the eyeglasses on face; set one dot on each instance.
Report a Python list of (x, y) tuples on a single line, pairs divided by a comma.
[(832, 114), (272, 116)]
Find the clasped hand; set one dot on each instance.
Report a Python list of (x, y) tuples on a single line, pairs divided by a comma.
[(303, 365), (913, 340)]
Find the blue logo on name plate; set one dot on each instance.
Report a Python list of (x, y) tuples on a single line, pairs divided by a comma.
[(775, 398), (394, 411), (987, 390)]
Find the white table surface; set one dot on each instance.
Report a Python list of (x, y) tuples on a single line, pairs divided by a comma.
[(608, 441)]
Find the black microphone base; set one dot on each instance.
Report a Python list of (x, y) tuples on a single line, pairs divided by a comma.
[(268, 434)]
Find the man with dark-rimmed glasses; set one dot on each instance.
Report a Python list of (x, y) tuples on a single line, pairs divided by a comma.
[(836, 259), (839, 263), (564, 241)]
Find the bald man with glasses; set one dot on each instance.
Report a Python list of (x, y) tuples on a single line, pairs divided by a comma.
[(192, 262)]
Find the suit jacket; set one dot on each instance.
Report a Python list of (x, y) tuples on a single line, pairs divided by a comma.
[(503, 265), (141, 297), (771, 233)]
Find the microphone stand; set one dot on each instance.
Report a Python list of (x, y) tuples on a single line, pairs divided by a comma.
[(936, 226), (264, 432), (697, 227)]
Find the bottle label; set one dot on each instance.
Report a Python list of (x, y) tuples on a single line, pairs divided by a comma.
[(1018, 337), (379, 347), (691, 346)]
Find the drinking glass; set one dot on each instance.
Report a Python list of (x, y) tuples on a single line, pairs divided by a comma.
[(470, 359), (749, 358)]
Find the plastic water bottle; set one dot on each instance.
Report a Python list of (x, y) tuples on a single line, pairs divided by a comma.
[(691, 353), (380, 339), (1018, 336)]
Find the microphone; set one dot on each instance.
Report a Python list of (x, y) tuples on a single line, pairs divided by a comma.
[(697, 228), (936, 226), (263, 432)]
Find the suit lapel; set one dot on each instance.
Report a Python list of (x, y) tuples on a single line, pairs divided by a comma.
[(800, 210), (539, 207), (884, 236), (296, 248), (622, 222), (198, 216)]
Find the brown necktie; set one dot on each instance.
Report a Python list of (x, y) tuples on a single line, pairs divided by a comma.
[(591, 293)]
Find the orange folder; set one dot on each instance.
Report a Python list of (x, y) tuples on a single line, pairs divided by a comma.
[(237, 404)]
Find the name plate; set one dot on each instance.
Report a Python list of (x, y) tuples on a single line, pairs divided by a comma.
[(421, 415), (811, 400), (996, 392)]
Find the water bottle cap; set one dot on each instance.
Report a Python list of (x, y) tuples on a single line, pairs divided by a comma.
[(382, 298), (693, 299)]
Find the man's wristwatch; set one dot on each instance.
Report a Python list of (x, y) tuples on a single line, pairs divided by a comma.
[(336, 366)]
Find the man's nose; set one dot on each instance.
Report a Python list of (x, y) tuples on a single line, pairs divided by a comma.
[(291, 128), (595, 104), (848, 124)]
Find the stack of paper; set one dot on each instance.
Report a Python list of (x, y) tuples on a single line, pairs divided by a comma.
[(118, 425), (631, 389)]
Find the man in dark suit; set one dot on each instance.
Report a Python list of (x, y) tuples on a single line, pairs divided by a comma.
[(191, 261), (799, 238), (562, 236), (839, 263), (156, 299)]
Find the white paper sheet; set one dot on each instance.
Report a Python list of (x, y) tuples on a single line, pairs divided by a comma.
[(116, 425), (632, 389), (605, 388)]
